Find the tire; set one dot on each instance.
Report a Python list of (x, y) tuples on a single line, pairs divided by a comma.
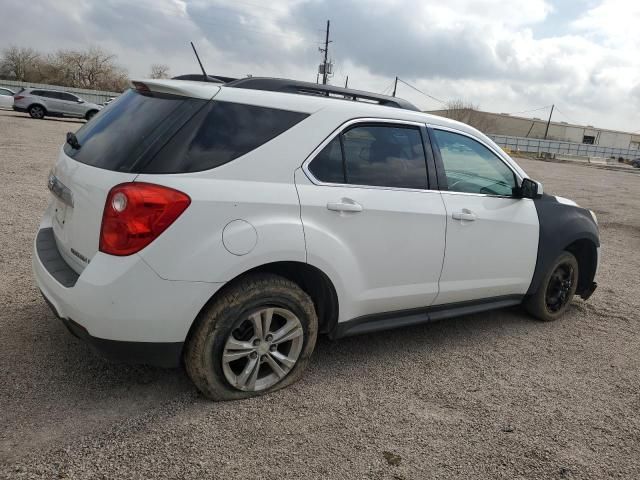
[(226, 329), (90, 114), (554, 294), (37, 111)]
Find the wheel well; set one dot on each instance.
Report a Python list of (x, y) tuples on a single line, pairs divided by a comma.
[(314, 282), (94, 111), (37, 104), (587, 255)]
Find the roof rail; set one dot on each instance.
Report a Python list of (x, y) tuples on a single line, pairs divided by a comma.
[(308, 88), (198, 77)]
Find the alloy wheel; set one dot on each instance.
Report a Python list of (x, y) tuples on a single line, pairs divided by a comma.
[(262, 349)]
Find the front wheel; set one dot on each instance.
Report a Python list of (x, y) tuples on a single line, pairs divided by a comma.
[(256, 337), (90, 114), (556, 290)]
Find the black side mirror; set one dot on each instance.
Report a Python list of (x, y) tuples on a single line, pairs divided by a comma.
[(529, 189)]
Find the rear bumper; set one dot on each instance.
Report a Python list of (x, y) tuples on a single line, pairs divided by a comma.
[(120, 306), (19, 109)]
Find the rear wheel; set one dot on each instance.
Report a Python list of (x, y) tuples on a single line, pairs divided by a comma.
[(37, 111), (254, 338), (556, 291)]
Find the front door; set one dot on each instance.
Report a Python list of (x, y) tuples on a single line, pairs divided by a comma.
[(370, 220), (492, 237)]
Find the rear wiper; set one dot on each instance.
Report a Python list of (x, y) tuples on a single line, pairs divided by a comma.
[(73, 140)]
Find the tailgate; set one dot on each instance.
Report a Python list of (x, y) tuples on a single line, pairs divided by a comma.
[(79, 194)]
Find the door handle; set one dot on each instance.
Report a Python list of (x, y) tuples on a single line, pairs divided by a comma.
[(465, 215), (344, 205)]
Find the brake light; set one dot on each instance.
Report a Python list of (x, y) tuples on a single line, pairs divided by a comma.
[(135, 214), (18, 97)]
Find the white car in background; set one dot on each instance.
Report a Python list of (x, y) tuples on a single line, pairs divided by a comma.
[(227, 226), (6, 98)]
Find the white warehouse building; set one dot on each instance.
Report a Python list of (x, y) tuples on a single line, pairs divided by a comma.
[(509, 125)]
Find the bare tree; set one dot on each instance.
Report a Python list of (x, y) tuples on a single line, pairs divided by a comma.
[(92, 68), (159, 70), (469, 113), (18, 63)]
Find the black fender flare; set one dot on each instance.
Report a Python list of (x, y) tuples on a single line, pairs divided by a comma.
[(561, 226)]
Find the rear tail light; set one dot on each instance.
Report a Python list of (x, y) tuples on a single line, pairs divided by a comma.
[(135, 214), (18, 97)]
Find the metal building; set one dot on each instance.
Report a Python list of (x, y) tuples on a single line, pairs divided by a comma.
[(513, 126)]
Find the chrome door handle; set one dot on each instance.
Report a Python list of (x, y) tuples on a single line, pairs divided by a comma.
[(344, 205), (465, 214)]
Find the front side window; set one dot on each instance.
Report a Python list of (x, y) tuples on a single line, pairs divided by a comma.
[(471, 167), (374, 155)]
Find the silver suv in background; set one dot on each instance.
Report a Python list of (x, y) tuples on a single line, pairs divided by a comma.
[(39, 102)]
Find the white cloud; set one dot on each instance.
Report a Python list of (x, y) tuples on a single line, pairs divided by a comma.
[(487, 51)]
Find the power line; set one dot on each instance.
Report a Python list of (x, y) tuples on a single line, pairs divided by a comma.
[(565, 116), (423, 93), (529, 111)]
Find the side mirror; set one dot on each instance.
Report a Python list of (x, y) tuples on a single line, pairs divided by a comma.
[(530, 189)]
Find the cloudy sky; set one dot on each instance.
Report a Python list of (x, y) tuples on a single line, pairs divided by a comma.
[(503, 55)]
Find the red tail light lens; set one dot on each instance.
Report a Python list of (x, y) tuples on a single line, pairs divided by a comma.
[(18, 97), (135, 214)]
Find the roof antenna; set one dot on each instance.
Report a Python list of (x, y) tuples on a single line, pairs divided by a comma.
[(205, 77)]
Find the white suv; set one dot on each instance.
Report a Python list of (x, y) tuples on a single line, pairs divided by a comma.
[(226, 226)]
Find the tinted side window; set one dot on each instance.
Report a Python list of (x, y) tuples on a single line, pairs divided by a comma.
[(5, 92), (327, 166), (471, 167), (38, 93), (386, 156), (219, 133), (67, 96)]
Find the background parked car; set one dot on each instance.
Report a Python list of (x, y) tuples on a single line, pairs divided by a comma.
[(6, 98), (39, 102), (635, 163)]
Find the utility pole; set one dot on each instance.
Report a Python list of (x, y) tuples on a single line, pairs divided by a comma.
[(346, 82), (548, 123), (326, 53), (395, 87)]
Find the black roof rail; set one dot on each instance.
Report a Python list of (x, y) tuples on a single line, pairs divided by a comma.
[(198, 77), (308, 88)]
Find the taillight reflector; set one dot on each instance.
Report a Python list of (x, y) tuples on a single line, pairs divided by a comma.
[(18, 97), (135, 214)]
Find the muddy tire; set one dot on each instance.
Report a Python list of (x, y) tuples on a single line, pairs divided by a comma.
[(256, 336), (556, 291)]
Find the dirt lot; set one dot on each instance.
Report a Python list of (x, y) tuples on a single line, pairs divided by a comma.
[(493, 395)]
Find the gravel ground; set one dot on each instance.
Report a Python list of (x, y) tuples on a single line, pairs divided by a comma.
[(492, 395)]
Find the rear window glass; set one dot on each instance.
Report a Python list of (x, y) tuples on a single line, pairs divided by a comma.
[(219, 133), (129, 130)]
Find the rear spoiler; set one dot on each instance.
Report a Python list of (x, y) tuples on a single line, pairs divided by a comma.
[(204, 90)]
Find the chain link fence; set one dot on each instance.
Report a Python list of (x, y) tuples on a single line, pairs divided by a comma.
[(541, 147)]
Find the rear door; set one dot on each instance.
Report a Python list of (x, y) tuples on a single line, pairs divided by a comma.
[(53, 102), (492, 236), (112, 150), (370, 218)]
